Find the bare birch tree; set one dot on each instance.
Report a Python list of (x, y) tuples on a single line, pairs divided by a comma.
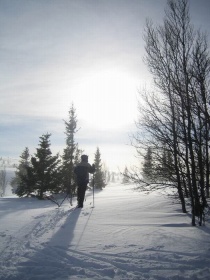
[(176, 116)]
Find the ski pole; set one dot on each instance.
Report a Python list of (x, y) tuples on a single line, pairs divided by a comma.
[(93, 190), (71, 196)]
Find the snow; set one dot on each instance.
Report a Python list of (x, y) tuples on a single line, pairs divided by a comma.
[(127, 235)]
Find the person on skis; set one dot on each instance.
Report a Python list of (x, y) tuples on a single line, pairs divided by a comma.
[(82, 171)]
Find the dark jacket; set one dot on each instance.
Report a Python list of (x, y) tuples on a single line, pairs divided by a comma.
[(82, 171)]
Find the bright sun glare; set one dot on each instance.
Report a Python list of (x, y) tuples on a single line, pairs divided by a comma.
[(106, 99)]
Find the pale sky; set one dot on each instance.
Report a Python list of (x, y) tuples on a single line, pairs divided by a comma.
[(88, 52)]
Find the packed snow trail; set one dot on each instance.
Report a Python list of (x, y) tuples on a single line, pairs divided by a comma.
[(127, 235)]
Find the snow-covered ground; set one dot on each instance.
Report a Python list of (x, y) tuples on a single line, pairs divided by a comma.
[(127, 235)]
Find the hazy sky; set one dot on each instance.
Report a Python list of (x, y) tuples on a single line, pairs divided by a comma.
[(88, 52)]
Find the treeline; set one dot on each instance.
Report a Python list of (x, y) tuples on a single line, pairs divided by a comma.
[(174, 119), (43, 172), (7, 162)]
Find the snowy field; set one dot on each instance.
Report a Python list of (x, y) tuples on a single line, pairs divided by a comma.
[(127, 235)]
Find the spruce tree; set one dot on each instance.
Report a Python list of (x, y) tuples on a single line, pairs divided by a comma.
[(99, 180), (23, 176), (125, 179), (71, 153), (161, 166), (45, 168), (26, 185), (147, 169), (163, 169)]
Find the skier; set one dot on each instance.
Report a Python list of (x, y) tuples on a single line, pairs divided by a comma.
[(82, 171)]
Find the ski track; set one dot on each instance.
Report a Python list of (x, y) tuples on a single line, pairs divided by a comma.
[(37, 252)]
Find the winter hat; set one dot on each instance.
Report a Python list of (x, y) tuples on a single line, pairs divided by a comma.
[(84, 158)]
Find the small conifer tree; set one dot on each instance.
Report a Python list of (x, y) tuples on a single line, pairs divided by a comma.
[(45, 168), (164, 167), (147, 169), (71, 154), (125, 174), (99, 180), (23, 175)]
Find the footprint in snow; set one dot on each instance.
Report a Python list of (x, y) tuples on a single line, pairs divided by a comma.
[(85, 213), (109, 246)]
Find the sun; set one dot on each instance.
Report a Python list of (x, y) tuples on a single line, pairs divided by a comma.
[(106, 98)]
